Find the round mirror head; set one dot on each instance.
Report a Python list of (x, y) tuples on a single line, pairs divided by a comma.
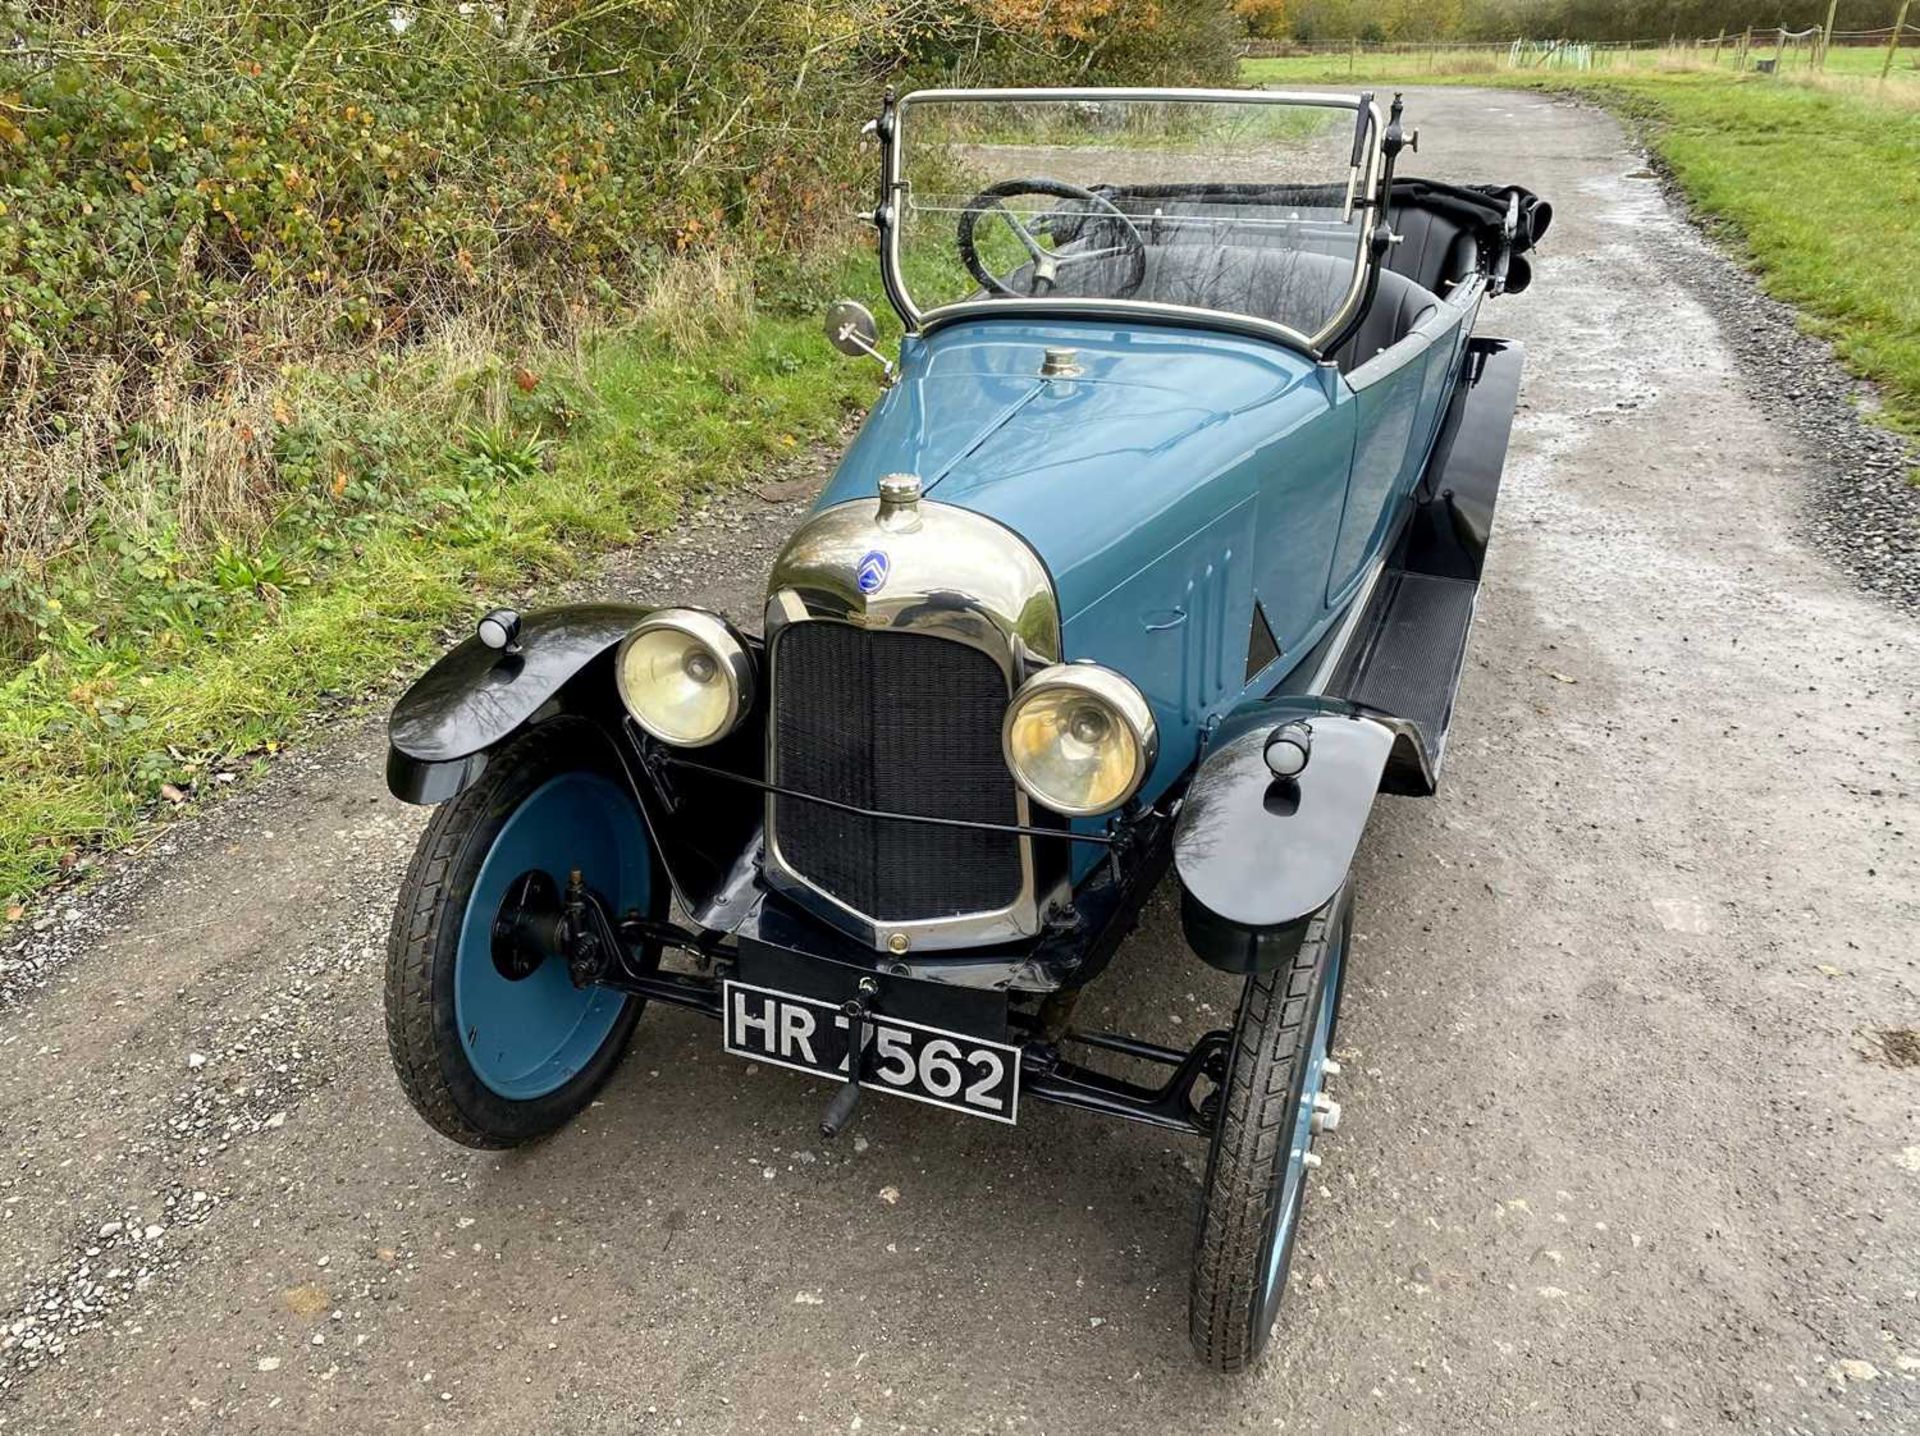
[(850, 327)]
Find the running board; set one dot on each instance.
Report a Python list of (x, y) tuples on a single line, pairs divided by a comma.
[(1411, 643), (1412, 647)]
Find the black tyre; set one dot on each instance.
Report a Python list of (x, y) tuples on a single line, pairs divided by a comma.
[(496, 1057), (1259, 1164)]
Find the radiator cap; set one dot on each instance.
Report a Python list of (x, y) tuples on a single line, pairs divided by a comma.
[(899, 502)]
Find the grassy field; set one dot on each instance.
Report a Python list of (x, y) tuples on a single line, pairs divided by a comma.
[(1816, 178), (1845, 64), (426, 488)]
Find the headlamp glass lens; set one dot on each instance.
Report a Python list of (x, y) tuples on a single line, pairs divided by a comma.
[(1074, 752), (676, 686)]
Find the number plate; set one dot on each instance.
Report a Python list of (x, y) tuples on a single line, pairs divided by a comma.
[(909, 1059)]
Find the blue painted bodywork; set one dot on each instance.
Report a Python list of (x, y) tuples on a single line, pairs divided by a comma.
[(1181, 476)]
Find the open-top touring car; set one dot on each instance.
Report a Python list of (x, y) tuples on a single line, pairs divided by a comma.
[(1160, 548)]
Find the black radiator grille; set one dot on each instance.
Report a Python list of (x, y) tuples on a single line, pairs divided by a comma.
[(905, 723)]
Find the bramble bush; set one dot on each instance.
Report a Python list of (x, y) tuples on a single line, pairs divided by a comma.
[(191, 194), (186, 195), (321, 319)]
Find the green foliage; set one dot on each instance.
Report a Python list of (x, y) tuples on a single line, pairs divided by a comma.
[(186, 193), (495, 453), (1062, 42), (265, 572), (290, 297)]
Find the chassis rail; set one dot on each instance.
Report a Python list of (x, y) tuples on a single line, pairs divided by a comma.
[(1044, 1073)]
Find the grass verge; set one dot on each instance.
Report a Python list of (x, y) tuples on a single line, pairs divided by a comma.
[(1816, 183), (151, 667)]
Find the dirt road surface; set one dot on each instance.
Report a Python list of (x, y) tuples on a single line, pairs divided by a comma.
[(1622, 1152)]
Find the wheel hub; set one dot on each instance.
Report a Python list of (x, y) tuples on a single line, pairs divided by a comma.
[(526, 929)]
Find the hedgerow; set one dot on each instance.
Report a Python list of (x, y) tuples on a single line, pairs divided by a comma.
[(187, 195), (191, 193), (323, 319)]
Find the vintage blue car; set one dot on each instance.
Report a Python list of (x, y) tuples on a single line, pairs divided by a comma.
[(1160, 547)]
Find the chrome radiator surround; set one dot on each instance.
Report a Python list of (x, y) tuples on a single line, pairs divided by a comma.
[(948, 573)]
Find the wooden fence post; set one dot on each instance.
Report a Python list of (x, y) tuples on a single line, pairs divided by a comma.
[(1718, 41), (1779, 50), (1353, 54), (1746, 41), (1893, 40), (1826, 33)]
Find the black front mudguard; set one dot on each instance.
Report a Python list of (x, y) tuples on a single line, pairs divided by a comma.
[(1257, 855), (443, 727)]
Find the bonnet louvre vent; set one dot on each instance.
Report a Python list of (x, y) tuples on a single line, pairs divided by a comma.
[(1262, 649)]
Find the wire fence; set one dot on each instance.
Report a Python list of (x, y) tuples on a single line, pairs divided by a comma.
[(1885, 52)]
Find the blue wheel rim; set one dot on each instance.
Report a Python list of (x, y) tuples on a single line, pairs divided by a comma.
[(529, 1038), (1293, 1185)]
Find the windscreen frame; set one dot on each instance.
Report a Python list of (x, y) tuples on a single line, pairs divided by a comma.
[(894, 188)]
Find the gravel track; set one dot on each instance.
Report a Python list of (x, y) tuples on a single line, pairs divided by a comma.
[(1624, 1148), (1864, 512)]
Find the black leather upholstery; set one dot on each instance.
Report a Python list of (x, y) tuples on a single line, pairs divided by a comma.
[(1435, 251), (1398, 305), (1288, 286)]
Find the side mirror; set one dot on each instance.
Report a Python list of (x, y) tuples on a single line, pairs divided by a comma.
[(851, 329)]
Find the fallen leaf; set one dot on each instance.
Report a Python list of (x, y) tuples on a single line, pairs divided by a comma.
[(172, 794), (889, 1195), (307, 1300), (15, 913)]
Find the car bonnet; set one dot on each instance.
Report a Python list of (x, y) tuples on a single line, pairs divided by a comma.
[(1101, 468)]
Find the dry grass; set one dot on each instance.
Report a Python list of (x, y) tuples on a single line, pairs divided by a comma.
[(201, 466), (189, 458), (203, 471), (1900, 89), (395, 493), (49, 483), (699, 299)]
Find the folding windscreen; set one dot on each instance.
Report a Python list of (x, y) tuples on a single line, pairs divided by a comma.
[(1237, 205)]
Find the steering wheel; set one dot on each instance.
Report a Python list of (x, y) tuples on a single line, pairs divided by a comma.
[(1047, 263)]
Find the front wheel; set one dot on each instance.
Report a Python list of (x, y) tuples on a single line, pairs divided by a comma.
[(490, 1052), (1263, 1144)]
